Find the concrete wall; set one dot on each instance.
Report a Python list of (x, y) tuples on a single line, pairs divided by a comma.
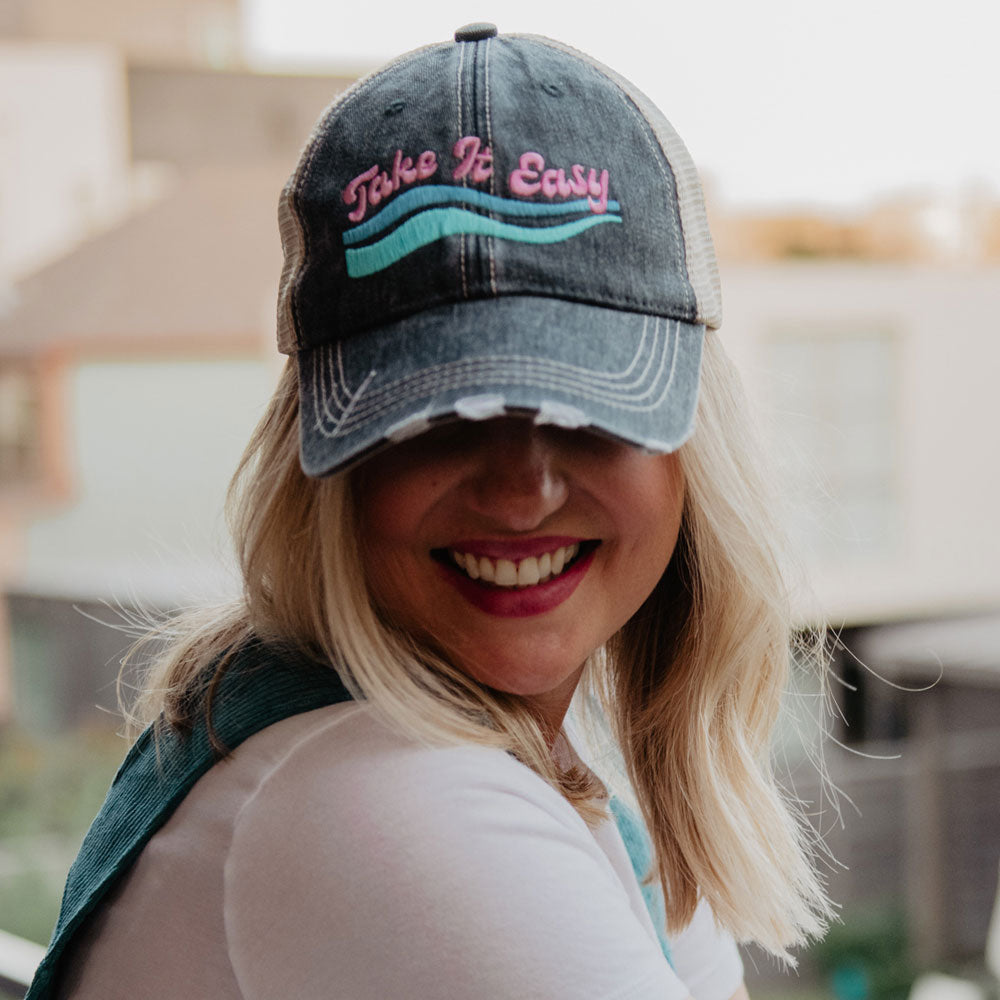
[(176, 31), (152, 445), (193, 117), (940, 552), (63, 149)]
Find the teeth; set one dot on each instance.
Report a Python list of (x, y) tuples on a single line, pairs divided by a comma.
[(525, 573), (558, 561), (472, 566), (506, 574)]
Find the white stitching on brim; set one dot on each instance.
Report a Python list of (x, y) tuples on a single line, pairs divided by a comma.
[(503, 369), (520, 370), (338, 423), (525, 372), (472, 368), (337, 381)]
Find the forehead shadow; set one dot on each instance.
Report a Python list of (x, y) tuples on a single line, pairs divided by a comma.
[(454, 422)]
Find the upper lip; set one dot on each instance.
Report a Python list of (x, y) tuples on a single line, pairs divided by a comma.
[(513, 549)]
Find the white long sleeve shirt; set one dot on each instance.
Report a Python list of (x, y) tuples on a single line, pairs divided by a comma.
[(329, 857)]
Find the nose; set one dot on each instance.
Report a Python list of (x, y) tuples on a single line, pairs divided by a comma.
[(518, 479)]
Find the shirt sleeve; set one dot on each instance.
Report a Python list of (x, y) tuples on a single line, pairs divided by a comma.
[(705, 957), (369, 868), (365, 867)]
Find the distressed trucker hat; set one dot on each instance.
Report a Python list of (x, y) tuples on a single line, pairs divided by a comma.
[(494, 225)]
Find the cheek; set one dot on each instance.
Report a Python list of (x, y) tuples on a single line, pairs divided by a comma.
[(654, 495), (395, 507), (653, 507), (393, 583), (384, 527), (393, 502)]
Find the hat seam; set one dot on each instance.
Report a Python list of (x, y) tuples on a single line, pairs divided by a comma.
[(668, 175), (632, 305), (490, 242), (498, 375), (341, 387), (656, 148), (288, 294), (461, 131)]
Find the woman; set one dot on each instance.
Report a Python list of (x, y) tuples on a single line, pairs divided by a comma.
[(487, 486)]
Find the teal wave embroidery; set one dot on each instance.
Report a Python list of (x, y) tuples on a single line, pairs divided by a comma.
[(440, 194), (437, 223)]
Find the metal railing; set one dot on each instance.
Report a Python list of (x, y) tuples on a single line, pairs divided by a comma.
[(18, 960)]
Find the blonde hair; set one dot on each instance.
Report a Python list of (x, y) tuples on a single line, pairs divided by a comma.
[(690, 687)]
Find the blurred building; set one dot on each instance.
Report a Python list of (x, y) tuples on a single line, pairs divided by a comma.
[(929, 228), (173, 32), (140, 167), (67, 170), (868, 341), (64, 170), (873, 381), (134, 367)]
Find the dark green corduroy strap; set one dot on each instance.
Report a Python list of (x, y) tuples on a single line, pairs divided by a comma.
[(260, 687)]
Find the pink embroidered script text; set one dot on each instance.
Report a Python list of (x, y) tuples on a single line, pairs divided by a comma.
[(373, 185), (531, 176), (475, 165)]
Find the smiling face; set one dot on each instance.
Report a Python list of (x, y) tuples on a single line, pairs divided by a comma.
[(517, 549)]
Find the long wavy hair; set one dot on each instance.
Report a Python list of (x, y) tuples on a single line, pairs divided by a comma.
[(690, 688)]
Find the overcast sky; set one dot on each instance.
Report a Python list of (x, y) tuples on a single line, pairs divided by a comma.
[(780, 101)]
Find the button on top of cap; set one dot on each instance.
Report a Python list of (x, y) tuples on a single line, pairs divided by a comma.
[(475, 32)]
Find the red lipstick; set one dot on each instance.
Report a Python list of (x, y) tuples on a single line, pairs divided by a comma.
[(514, 602)]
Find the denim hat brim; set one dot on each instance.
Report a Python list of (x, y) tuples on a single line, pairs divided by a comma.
[(631, 376)]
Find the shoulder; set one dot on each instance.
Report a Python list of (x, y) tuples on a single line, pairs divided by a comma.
[(706, 957), (345, 762), (357, 802), (404, 869)]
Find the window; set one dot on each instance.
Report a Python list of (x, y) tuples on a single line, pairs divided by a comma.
[(835, 437), (19, 418)]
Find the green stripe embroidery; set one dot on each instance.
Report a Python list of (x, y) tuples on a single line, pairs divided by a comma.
[(441, 194), (437, 223)]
